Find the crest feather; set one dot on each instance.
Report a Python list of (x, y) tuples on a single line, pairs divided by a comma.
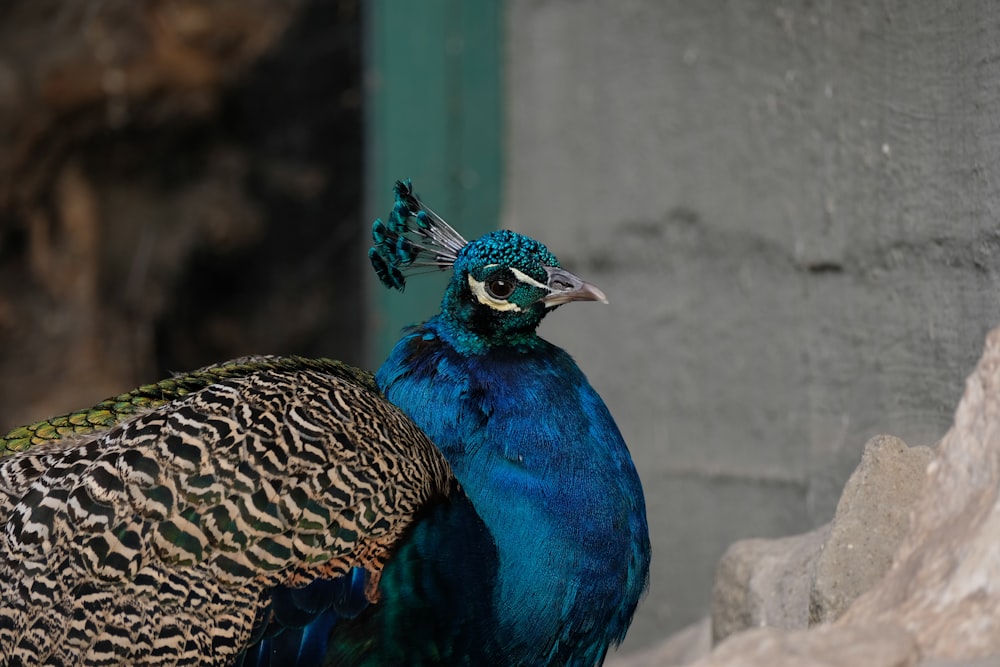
[(414, 237)]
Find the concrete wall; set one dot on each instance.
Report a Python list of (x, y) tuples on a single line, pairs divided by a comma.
[(793, 209)]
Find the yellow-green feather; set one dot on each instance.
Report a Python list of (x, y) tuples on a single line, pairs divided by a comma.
[(116, 409)]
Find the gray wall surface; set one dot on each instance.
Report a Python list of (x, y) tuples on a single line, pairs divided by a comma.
[(794, 211)]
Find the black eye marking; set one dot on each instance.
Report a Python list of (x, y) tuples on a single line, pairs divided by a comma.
[(501, 285)]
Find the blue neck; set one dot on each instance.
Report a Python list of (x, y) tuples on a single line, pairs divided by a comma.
[(544, 464)]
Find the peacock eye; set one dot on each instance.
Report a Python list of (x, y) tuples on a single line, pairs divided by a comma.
[(501, 285)]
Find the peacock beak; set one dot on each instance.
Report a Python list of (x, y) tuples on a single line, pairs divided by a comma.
[(564, 287)]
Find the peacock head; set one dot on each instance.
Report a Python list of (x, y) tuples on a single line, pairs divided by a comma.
[(503, 283)]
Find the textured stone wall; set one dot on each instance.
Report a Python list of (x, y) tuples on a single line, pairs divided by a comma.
[(793, 211)]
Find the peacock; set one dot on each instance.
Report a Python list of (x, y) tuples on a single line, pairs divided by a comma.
[(472, 503)]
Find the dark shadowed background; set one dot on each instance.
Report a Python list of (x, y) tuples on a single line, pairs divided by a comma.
[(180, 182)]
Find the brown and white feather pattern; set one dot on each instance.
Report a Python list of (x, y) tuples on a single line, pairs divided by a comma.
[(154, 542)]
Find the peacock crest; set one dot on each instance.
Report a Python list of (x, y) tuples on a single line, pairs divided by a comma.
[(415, 237)]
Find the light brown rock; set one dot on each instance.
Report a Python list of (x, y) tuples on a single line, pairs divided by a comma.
[(765, 583), (872, 518), (939, 604), (797, 581), (944, 586), (823, 646)]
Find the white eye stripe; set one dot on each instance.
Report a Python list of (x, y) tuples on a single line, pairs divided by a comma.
[(528, 280), (478, 288)]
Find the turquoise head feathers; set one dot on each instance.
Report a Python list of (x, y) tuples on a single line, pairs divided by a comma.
[(503, 282)]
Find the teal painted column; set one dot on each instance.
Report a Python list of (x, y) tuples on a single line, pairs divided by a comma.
[(433, 114)]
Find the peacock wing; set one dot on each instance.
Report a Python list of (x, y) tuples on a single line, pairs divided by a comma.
[(162, 538)]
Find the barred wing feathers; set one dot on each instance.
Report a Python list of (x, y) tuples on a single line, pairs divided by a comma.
[(158, 540)]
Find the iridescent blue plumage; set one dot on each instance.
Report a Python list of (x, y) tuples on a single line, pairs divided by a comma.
[(545, 467), (532, 444), (541, 556)]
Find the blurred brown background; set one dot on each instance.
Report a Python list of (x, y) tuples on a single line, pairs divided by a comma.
[(170, 172)]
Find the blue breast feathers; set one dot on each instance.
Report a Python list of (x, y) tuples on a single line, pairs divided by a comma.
[(544, 463)]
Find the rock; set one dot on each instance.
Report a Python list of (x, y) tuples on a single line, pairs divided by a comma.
[(939, 603), (794, 582), (944, 585), (765, 583), (872, 518), (681, 648), (823, 646)]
